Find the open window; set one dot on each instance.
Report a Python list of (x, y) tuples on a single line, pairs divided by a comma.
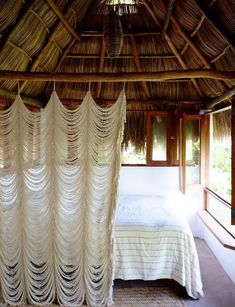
[(192, 151), (151, 139), (158, 138), (219, 184)]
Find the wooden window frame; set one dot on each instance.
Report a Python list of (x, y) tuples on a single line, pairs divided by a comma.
[(204, 123), (173, 135), (207, 190), (174, 139), (149, 144), (233, 162)]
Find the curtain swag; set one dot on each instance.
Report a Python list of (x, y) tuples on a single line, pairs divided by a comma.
[(59, 173)]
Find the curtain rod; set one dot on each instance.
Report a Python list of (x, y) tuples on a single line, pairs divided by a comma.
[(116, 77)]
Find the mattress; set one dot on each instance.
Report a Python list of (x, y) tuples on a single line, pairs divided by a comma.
[(154, 241)]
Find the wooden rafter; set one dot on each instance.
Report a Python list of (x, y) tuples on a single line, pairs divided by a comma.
[(223, 87), (50, 38), (137, 62), (218, 26), (122, 56), (171, 45), (168, 16), (98, 33), (63, 19), (182, 63), (101, 66), (221, 98), (61, 59), (194, 33), (64, 54), (118, 77)]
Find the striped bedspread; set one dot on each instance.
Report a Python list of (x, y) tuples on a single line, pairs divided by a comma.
[(153, 241)]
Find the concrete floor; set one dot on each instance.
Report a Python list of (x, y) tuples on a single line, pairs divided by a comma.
[(219, 290)]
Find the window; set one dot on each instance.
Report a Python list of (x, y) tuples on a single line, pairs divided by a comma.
[(219, 184), (193, 147), (155, 139), (192, 151), (220, 154), (131, 155)]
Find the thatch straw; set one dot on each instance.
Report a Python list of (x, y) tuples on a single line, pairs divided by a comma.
[(135, 130), (27, 38), (12, 6), (222, 125)]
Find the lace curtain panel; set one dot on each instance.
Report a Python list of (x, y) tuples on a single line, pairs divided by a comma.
[(59, 173)]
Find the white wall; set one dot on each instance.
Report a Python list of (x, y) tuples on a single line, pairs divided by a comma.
[(225, 256), (164, 180), (148, 180)]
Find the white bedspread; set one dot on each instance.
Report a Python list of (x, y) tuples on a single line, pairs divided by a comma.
[(153, 241)]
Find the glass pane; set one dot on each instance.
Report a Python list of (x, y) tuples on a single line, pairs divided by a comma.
[(131, 156), (193, 151), (221, 212), (159, 139), (220, 154)]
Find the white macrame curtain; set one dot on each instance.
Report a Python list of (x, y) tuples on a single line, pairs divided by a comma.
[(59, 173)]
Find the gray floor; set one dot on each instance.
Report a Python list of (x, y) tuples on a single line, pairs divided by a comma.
[(219, 290)]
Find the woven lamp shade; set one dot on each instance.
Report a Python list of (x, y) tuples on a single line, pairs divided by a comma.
[(113, 34)]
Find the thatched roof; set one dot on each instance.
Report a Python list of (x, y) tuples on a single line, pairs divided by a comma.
[(163, 35)]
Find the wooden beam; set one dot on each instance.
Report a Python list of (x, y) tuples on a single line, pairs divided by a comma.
[(63, 19), (101, 66), (137, 62), (233, 162), (215, 22), (168, 16), (221, 98), (171, 45), (117, 77), (134, 101), (121, 56)]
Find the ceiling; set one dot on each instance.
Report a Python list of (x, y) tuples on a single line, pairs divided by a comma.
[(162, 36)]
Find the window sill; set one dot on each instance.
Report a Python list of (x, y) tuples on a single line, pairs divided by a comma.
[(218, 231)]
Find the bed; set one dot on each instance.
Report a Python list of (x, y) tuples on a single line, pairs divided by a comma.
[(153, 241)]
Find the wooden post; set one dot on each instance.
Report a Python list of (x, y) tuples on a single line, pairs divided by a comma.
[(183, 156), (205, 150), (233, 162)]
